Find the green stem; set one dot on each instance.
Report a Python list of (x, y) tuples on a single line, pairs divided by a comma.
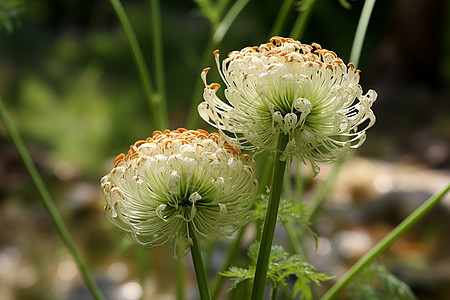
[(180, 277), (361, 31), (198, 266), (379, 248), (270, 220), (302, 19), (159, 59), (144, 75), (144, 261), (233, 251), (48, 202), (281, 17)]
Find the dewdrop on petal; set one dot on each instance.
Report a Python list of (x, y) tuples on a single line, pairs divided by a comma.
[(176, 180), (285, 87)]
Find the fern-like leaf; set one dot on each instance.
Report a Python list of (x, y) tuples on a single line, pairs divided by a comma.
[(281, 267)]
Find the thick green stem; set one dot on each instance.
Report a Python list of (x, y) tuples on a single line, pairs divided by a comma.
[(154, 102), (270, 220), (361, 31), (48, 202), (198, 266), (385, 243)]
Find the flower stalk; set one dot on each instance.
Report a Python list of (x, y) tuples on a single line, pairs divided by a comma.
[(198, 266), (379, 248), (270, 220)]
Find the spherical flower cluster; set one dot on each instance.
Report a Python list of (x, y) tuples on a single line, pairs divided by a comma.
[(285, 87), (178, 182)]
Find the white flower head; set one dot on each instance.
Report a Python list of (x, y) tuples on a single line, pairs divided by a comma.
[(285, 87), (176, 181)]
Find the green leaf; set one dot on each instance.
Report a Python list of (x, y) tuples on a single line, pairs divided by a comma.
[(281, 267)]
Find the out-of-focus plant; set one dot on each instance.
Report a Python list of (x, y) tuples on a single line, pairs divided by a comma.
[(10, 11), (377, 282)]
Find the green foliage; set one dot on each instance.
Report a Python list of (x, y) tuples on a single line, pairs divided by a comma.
[(9, 13), (281, 267), (377, 283)]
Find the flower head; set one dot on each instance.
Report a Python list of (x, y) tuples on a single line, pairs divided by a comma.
[(176, 180), (285, 87)]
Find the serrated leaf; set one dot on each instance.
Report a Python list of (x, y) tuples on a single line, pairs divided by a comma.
[(281, 267)]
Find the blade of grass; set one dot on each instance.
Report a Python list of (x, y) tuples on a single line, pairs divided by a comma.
[(153, 101), (48, 202), (361, 31), (381, 246)]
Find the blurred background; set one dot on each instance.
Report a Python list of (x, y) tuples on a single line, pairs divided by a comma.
[(69, 81)]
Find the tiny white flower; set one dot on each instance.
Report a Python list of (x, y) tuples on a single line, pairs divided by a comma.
[(176, 180), (285, 87)]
